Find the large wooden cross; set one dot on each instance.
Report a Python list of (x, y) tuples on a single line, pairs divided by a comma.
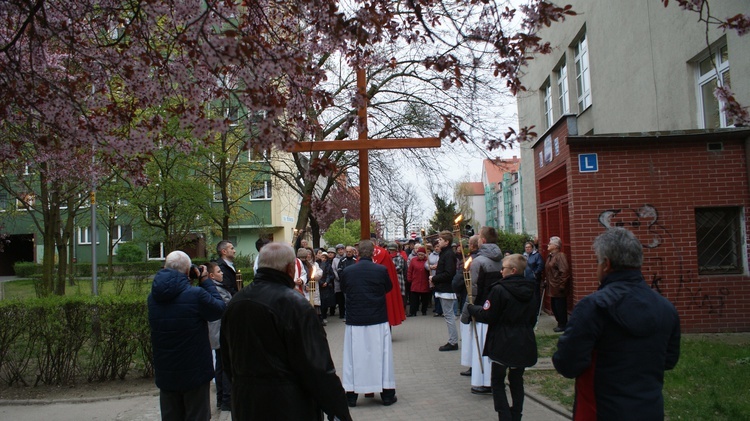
[(363, 145)]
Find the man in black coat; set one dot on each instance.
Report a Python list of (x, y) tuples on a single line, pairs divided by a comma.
[(443, 283), (510, 312), (620, 339), (275, 349)]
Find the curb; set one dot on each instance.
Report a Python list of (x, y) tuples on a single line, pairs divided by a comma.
[(541, 400), (29, 402)]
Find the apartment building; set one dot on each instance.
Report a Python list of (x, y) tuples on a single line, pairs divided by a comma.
[(631, 135)]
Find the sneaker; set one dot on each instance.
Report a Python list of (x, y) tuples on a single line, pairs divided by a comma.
[(558, 329), (481, 390), (466, 373), (448, 347), (437, 315)]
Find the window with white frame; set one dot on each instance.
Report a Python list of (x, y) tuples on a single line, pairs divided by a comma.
[(258, 154), (547, 104), (26, 201), (562, 88), (123, 233), (156, 251), (84, 235), (260, 190), (583, 76), (710, 71)]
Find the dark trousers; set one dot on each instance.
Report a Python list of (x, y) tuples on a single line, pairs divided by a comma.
[(438, 306), (341, 302), (223, 386), (416, 298), (515, 380), (192, 405), (560, 310)]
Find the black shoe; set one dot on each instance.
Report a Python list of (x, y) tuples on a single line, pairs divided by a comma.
[(351, 399), (481, 390), (412, 315), (449, 347), (437, 315), (467, 372), (558, 329), (389, 402), (424, 313)]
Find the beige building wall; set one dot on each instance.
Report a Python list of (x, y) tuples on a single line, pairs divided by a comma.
[(643, 59)]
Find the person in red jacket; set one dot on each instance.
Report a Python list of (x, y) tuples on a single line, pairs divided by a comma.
[(420, 285)]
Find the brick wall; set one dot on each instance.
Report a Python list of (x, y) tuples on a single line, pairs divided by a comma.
[(652, 187)]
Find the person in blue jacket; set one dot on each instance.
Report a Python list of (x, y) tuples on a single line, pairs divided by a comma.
[(620, 339), (178, 314)]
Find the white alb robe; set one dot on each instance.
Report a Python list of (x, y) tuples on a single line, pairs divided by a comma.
[(470, 356), (368, 359)]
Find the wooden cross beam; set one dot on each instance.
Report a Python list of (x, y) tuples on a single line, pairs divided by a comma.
[(364, 145)]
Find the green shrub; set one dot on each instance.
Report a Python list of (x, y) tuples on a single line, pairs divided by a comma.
[(511, 242), (63, 340), (26, 269), (129, 253)]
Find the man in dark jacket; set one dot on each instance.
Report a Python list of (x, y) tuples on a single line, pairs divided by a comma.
[(443, 283), (275, 349), (225, 250), (178, 314), (510, 312), (368, 351), (620, 339)]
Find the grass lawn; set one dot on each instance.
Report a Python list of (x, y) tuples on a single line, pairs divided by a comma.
[(711, 380), (24, 288)]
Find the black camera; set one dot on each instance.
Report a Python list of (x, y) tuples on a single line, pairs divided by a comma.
[(195, 272)]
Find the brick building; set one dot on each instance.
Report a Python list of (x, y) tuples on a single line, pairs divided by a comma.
[(684, 194)]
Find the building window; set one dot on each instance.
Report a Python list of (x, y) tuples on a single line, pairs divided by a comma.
[(84, 235), (260, 190), (156, 251), (719, 240), (583, 76), (562, 88), (710, 115), (547, 103), (258, 155), (4, 197), (123, 233), (26, 201)]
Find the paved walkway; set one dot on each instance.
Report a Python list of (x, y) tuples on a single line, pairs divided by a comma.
[(428, 386)]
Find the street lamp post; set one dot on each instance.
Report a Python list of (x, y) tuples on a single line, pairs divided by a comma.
[(344, 211)]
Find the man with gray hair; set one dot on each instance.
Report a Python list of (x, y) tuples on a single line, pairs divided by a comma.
[(275, 350), (620, 339), (178, 314), (557, 279)]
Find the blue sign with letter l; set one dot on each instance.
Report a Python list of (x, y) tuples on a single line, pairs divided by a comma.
[(588, 162)]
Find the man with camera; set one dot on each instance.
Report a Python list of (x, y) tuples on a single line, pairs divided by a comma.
[(178, 313)]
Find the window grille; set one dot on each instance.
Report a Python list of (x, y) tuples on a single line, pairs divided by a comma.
[(719, 240)]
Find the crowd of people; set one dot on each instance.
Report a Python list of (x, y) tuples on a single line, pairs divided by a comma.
[(272, 359)]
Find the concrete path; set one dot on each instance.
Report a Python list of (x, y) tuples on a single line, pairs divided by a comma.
[(428, 386)]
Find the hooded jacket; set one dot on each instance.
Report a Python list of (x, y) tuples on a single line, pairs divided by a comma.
[(485, 269), (510, 311), (290, 376), (617, 344), (178, 314)]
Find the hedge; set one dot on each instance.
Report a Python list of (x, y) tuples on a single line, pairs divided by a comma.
[(64, 340), (28, 270)]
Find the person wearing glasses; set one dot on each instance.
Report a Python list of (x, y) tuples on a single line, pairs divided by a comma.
[(510, 313)]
